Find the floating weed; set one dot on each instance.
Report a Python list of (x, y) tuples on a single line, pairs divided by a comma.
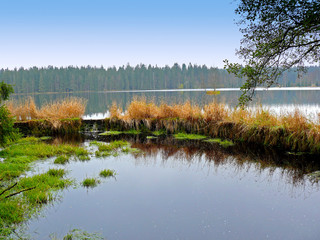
[(132, 131), (128, 149), (63, 159), (90, 182), (102, 154), (213, 140), (107, 173), (224, 143), (96, 143), (84, 158), (151, 137), (159, 132), (56, 172), (185, 136), (107, 133), (78, 234)]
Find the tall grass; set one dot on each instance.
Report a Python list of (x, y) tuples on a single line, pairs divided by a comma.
[(291, 131), (66, 108)]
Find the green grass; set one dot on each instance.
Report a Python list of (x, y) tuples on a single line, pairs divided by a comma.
[(132, 131), (224, 143), (63, 159), (110, 149), (56, 172), (107, 173), (90, 182), (32, 192), (19, 208), (185, 136), (107, 133), (151, 137), (159, 132)]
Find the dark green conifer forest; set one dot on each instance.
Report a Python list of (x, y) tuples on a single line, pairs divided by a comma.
[(140, 77)]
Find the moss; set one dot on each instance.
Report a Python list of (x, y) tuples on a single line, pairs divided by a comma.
[(107, 133), (185, 136)]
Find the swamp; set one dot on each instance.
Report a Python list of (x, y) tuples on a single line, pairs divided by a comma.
[(154, 169)]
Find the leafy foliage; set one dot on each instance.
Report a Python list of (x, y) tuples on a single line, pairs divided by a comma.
[(278, 35), (7, 132)]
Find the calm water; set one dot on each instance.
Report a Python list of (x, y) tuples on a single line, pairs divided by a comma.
[(279, 101), (188, 190)]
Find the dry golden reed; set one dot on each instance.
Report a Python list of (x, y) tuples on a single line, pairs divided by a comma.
[(62, 109), (291, 130)]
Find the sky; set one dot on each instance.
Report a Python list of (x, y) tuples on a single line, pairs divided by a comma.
[(117, 32)]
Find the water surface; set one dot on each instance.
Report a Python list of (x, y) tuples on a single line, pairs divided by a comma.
[(189, 190)]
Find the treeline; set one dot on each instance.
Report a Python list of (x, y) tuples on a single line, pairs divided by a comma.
[(54, 79)]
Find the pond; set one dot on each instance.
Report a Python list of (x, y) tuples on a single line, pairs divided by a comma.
[(177, 189)]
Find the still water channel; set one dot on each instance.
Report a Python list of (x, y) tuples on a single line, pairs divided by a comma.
[(188, 190)]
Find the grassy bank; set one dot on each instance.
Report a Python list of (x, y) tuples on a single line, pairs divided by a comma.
[(290, 132), (22, 195)]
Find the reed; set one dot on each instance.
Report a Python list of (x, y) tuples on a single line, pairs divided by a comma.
[(62, 109), (289, 131)]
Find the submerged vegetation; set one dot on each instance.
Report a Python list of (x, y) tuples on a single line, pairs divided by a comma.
[(290, 131)]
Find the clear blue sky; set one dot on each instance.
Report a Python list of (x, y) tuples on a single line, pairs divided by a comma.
[(117, 32)]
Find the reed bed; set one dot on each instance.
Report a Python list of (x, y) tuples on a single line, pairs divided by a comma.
[(290, 131), (62, 109)]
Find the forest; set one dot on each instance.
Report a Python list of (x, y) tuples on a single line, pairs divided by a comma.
[(142, 77)]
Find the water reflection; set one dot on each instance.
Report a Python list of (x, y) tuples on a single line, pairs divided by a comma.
[(189, 190), (100, 102), (241, 157)]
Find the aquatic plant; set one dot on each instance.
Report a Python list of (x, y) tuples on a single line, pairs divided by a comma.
[(224, 143), (90, 182), (63, 159), (78, 234), (22, 196), (184, 136), (289, 131), (107, 173)]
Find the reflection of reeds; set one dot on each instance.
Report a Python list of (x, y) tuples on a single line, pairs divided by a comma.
[(63, 109), (290, 131), (293, 168)]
